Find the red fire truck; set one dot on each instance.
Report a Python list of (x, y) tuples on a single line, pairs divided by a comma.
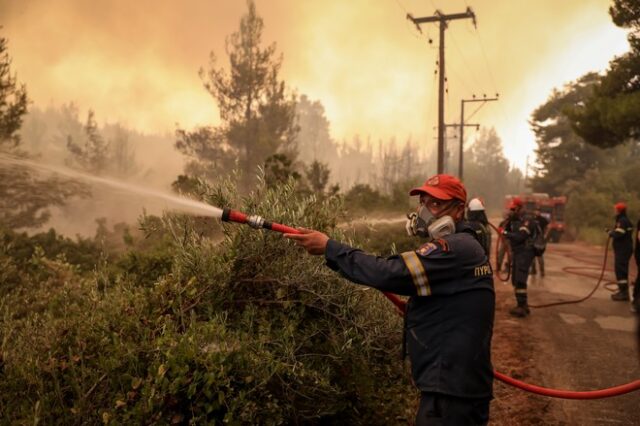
[(552, 208)]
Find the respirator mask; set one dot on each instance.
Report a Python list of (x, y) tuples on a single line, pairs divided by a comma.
[(424, 224)]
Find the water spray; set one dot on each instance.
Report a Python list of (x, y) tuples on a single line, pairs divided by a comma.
[(186, 205)]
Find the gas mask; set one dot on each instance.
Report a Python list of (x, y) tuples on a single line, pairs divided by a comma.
[(424, 224)]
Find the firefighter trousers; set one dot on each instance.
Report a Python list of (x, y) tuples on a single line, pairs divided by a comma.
[(437, 409), (520, 265), (621, 264)]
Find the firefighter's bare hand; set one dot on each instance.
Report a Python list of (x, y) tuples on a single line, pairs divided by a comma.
[(313, 242)]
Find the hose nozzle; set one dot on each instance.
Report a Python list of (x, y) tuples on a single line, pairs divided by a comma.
[(255, 221)]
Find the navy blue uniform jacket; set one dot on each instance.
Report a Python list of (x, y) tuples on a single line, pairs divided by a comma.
[(520, 231), (622, 235), (449, 321)]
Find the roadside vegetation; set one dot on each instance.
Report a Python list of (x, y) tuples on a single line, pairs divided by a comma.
[(247, 331), (178, 319), (588, 138)]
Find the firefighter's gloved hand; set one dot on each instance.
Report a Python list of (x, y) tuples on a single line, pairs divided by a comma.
[(411, 224)]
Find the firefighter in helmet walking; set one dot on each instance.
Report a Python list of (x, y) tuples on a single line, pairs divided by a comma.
[(520, 231), (622, 236)]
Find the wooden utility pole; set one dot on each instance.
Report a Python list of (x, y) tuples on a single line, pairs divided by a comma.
[(526, 174), (461, 126), (462, 102), (442, 19)]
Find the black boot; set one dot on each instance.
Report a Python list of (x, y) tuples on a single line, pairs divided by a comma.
[(622, 295), (519, 311)]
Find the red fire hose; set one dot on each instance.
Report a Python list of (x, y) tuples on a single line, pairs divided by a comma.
[(568, 269), (258, 222), (591, 293), (557, 393), (507, 252)]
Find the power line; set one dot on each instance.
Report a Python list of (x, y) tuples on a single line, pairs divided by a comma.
[(401, 6), (483, 101), (486, 61), (464, 60), (459, 78), (476, 110), (442, 20), (415, 33)]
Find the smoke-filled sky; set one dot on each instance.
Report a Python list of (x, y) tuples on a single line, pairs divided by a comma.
[(137, 61)]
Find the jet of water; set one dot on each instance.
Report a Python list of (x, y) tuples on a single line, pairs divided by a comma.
[(179, 203)]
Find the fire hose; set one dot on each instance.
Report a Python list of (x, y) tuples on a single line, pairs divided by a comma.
[(257, 222), (568, 269), (591, 293), (507, 252)]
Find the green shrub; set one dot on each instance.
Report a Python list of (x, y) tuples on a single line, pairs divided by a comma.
[(249, 330), (83, 253)]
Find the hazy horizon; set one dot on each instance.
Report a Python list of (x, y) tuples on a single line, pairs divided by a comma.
[(138, 63)]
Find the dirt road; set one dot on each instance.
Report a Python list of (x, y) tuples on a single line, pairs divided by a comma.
[(585, 346)]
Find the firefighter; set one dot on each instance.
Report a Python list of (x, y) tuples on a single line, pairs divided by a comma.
[(543, 223), (520, 231), (636, 287), (450, 312), (635, 306), (622, 250), (477, 220)]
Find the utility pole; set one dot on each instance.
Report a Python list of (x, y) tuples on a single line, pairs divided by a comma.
[(456, 126), (461, 126), (526, 174), (462, 102), (442, 19)]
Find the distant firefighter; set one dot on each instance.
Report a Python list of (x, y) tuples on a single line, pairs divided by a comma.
[(543, 224), (477, 220), (635, 307), (622, 249), (521, 232)]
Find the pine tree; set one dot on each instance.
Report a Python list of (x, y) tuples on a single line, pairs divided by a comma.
[(317, 175), (610, 116), (13, 101), (25, 198), (257, 113), (93, 155)]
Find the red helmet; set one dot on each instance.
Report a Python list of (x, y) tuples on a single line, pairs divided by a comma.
[(515, 203), (620, 207)]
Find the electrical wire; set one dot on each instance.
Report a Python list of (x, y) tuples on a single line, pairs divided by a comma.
[(476, 110), (467, 65)]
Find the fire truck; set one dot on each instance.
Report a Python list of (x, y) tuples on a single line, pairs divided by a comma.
[(552, 208)]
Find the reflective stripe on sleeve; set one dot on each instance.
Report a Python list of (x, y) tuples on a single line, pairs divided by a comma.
[(418, 273), (525, 229), (620, 230), (521, 291), (623, 282)]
